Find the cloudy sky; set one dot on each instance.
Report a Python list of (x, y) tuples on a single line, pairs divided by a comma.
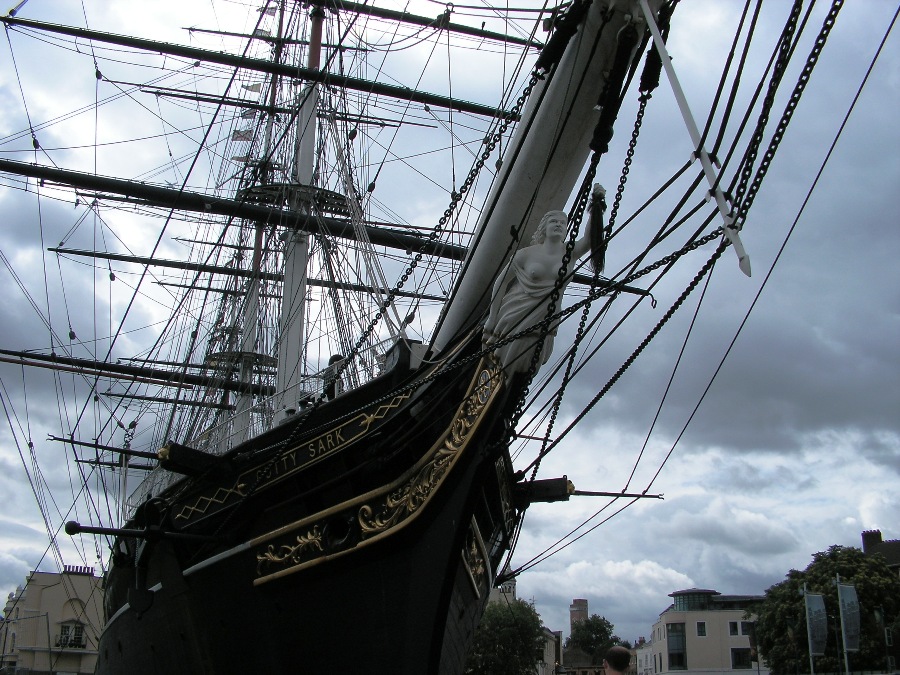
[(795, 444)]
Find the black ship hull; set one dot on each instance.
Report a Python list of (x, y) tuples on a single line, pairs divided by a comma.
[(385, 570)]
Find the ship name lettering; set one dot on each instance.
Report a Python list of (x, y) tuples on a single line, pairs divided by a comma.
[(326, 443)]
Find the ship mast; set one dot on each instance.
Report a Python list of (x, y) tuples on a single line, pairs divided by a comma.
[(296, 242), (249, 341)]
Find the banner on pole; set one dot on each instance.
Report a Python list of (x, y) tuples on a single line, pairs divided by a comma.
[(816, 624), (849, 616)]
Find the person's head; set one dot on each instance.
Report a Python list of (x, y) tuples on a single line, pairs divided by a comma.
[(540, 234), (618, 658)]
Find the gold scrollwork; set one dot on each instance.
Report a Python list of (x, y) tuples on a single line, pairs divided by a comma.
[(290, 553), (399, 502), (406, 500)]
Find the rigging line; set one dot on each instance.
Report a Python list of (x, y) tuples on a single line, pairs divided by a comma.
[(729, 106), (162, 232), (78, 111), (784, 121), (786, 239), (402, 116), (780, 58), (725, 69), (665, 186), (34, 140), (36, 146), (65, 300), (637, 351), (94, 212), (41, 506), (163, 135), (668, 388), (537, 560), (450, 116)]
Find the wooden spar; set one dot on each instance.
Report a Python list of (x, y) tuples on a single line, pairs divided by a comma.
[(179, 401), (169, 378), (263, 66), (156, 195), (265, 37), (80, 370), (441, 22), (106, 448), (578, 279), (116, 465)]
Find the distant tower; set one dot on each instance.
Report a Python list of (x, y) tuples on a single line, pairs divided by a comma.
[(505, 591), (578, 611)]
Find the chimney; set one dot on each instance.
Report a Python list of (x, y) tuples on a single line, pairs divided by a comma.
[(870, 539)]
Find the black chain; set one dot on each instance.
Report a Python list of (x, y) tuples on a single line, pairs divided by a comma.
[(780, 129), (745, 205), (575, 219), (723, 244), (781, 62), (585, 312)]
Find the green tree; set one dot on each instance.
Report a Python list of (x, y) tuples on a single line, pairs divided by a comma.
[(509, 640), (781, 634), (594, 636)]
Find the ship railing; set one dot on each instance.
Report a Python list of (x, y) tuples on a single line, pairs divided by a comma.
[(219, 438)]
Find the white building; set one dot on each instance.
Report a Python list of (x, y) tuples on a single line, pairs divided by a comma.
[(703, 632), (52, 624)]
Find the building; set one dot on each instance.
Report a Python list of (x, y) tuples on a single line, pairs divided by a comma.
[(703, 631), (552, 658), (873, 544), (644, 659), (52, 625)]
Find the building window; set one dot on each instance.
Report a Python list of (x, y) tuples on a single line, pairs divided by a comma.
[(740, 659), (677, 646), (701, 629), (71, 635), (691, 602), (746, 628), (732, 628), (889, 637)]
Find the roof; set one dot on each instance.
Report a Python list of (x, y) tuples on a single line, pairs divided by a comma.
[(708, 591)]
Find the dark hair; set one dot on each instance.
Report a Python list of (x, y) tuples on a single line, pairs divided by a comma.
[(618, 658)]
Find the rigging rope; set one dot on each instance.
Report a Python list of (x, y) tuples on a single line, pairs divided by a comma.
[(803, 80)]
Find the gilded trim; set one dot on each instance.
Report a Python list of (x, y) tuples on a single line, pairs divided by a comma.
[(298, 457), (381, 512), (474, 557)]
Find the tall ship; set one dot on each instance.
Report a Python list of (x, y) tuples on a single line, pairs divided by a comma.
[(307, 407)]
